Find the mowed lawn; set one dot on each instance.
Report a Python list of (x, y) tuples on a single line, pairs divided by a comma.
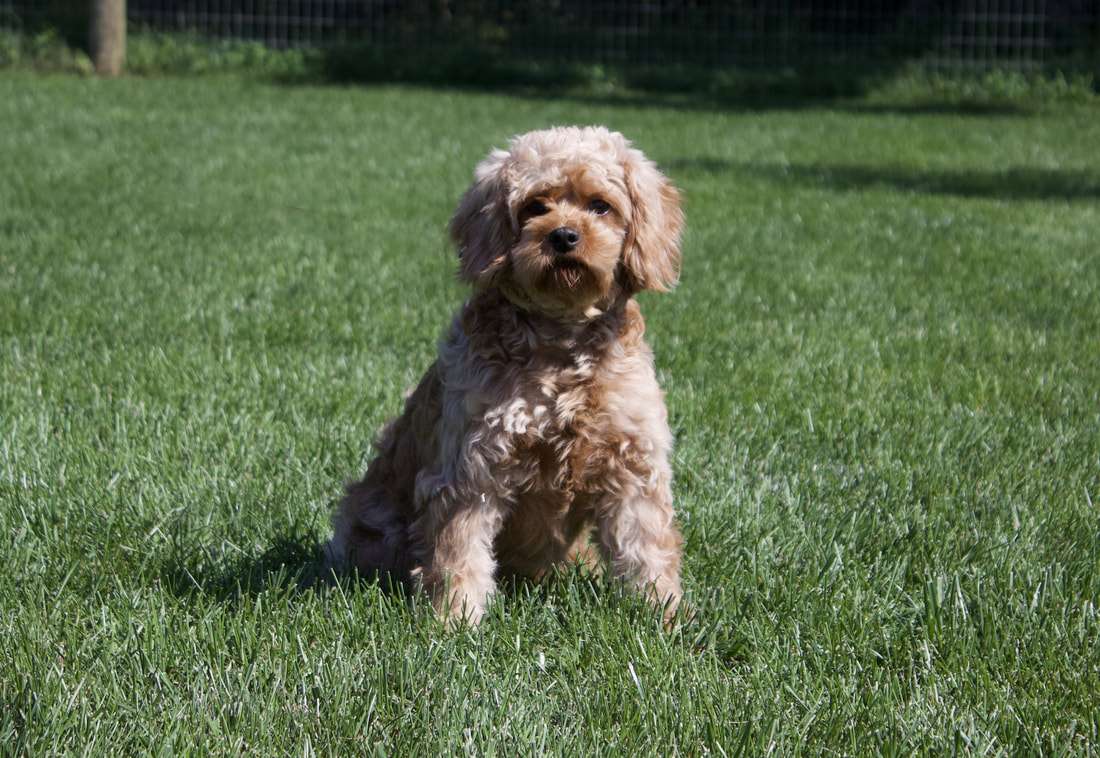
[(882, 367)]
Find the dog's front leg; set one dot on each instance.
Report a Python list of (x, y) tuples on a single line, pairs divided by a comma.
[(639, 538), (458, 572)]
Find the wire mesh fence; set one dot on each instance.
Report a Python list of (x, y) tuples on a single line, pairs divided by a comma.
[(752, 33)]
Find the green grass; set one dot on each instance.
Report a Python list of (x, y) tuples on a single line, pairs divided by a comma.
[(883, 372)]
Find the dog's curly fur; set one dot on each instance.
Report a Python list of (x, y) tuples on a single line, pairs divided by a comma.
[(541, 421)]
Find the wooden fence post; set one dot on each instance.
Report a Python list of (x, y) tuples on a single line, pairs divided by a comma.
[(107, 36)]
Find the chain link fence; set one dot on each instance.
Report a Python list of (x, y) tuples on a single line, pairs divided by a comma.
[(941, 34)]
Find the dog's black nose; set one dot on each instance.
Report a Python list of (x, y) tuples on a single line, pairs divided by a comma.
[(564, 238)]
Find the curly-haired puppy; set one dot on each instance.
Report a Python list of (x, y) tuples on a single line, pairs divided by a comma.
[(541, 423)]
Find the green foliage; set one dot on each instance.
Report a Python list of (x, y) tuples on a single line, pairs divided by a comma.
[(988, 87), (149, 54), (180, 54), (881, 372), (44, 51), (451, 66)]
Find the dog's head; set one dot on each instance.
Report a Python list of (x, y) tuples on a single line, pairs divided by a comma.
[(567, 220)]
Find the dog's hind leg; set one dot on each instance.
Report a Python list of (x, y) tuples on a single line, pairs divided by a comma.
[(370, 534)]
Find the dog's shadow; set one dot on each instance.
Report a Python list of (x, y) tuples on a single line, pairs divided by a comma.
[(292, 563), (295, 564)]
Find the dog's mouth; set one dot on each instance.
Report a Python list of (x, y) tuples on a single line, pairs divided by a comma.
[(566, 272)]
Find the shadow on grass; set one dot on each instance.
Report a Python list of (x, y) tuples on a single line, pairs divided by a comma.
[(1022, 183), (291, 563), (294, 565), (777, 101), (837, 87)]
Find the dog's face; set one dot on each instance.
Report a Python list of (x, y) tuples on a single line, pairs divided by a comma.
[(567, 220)]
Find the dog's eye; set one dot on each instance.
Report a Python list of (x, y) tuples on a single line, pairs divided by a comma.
[(599, 207), (535, 208)]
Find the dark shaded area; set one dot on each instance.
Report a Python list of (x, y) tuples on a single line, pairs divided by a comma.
[(743, 33), (293, 562), (683, 87), (67, 18), (935, 108), (693, 86), (718, 53), (780, 95), (1020, 183), (838, 83)]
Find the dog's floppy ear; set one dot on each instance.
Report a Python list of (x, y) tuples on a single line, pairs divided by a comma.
[(651, 255), (481, 227)]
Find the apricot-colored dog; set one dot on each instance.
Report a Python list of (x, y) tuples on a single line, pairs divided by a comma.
[(541, 421)]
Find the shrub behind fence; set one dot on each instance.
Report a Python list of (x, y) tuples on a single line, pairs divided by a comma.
[(1021, 34)]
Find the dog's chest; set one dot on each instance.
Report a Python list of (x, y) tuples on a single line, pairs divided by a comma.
[(556, 439)]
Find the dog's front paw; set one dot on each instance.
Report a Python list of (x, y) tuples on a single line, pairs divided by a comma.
[(458, 603), (456, 615), (665, 594)]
